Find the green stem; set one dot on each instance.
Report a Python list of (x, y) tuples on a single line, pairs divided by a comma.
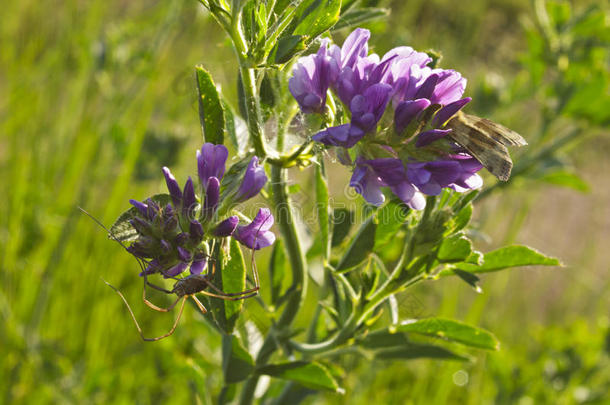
[(286, 222), (253, 111)]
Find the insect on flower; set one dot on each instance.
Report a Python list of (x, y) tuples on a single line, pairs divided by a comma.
[(486, 141), (184, 287)]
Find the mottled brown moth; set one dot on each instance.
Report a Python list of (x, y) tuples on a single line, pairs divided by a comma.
[(486, 141)]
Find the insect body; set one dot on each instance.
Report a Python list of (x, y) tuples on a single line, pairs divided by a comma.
[(486, 141)]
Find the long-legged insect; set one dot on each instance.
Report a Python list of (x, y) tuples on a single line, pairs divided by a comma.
[(184, 288)]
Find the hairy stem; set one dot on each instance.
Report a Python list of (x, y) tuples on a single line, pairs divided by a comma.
[(253, 110)]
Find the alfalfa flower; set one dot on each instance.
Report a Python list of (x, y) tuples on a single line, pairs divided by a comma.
[(174, 237)]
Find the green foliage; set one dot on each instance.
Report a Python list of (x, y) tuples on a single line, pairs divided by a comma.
[(237, 364), (308, 374), (451, 330), (68, 340), (211, 113), (507, 257), (230, 277), (360, 247)]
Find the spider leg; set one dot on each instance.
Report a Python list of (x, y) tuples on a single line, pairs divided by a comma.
[(135, 321), (156, 287), (171, 331), (199, 304), (229, 297), (224, 294)]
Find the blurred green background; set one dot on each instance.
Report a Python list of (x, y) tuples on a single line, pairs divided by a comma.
[(96, 96)]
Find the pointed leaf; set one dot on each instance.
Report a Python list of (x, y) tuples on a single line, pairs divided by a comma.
[(237, 363), (507, 257), (277, 270), (230, 277), (322, 208), (390, 219), (309, 374), (418, 351), (456, 248), (342, 221), (358, 16), (361, 246), (288, 47), (316, 16), (211, 113), (469, 278), (451, 330)]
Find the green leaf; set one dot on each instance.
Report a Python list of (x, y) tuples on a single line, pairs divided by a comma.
[(566, 179), (390, 219), (322, 208), (383, 338), (418, 351), (277, 270), (238, 140), (452, 330), (122, 230), (309, 374), (288, 47), (455, 248), (359, 16), (507, 257), (342, 221), (316, 16), (237, 363), (230, 277), (461, 219), (361, 246), (211, 113), (469, 278)]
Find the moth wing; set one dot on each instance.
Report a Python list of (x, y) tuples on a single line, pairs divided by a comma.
[(483, 146), (500, 133)]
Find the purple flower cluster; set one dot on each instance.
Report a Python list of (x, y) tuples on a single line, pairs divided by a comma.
[(174, 237), (398, 108)]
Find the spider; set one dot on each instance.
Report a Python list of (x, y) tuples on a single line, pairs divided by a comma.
[(184, 288)]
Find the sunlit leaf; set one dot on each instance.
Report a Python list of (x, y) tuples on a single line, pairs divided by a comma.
[(229, 277), (316, 16), (507, 257), (390, 219), (358, 16), (309, 374), (322, 208), (451, 330), (455, 248), (211, 113)]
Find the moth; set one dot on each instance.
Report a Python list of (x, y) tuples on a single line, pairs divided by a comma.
[(486, 141)]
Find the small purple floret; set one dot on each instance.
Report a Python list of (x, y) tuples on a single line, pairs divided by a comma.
[(226, 227), (253, 182), (173, 187), (346, 135), (256, 235), (211, 160)]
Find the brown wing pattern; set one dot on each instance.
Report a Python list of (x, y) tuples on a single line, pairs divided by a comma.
[(486, 141)]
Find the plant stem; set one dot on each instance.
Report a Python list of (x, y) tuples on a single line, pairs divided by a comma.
[(253, 111), (287, 225)]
